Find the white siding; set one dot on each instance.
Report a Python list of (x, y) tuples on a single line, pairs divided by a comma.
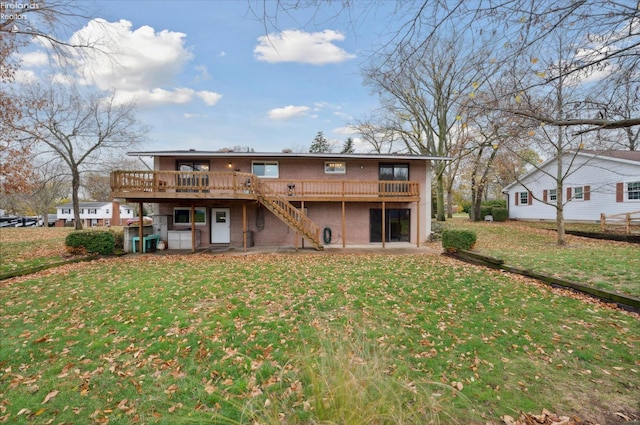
[(601, 174)]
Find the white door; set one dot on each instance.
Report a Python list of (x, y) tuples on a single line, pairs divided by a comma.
[(220, 225)]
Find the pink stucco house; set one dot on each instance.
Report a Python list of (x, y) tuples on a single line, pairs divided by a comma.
[(242, 199)]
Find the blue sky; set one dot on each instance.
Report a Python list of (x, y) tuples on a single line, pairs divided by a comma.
[(205, 76)]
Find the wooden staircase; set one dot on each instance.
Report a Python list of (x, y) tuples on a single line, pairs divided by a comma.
[(286, 212)]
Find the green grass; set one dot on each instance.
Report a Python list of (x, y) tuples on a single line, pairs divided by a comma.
[(604, 264), (23, 248), (244, 339)]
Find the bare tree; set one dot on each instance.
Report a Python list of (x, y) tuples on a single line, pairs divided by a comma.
[(424, 92), (604, 33), (77, 127), (40, 22), (51, 185)]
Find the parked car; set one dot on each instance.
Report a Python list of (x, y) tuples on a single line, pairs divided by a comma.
[(9, 221)]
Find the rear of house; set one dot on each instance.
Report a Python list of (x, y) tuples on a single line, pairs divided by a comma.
[(595, 183), (283, 199)]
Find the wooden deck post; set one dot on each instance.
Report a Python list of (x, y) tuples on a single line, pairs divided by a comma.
[(384, 233), (244, 226), (193, 227), (603, 222), (140, 226), (344, 226), (418, 223)]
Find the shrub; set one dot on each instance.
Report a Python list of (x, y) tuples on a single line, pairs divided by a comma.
[(499, 214), (437, 227), (486, 207), (118, 236), (91, 242), (453, 240)]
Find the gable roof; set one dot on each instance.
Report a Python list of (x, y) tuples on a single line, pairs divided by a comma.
[(326, 155), (627, 155), (618, 156), (90, 205)]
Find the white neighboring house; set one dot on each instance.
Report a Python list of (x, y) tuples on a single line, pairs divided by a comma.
[(96, 214), (605, 182)]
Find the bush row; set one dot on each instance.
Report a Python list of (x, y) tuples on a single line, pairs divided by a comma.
[(453, 240), (91, 242)]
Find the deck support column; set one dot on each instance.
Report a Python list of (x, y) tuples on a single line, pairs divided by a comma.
[(193, 227), (302, 209), (418, 223), (244, 226), (140, 226), (344, 225), (384, 233)]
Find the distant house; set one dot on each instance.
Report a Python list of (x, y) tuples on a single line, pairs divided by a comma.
[(605, 182), (95, 214)]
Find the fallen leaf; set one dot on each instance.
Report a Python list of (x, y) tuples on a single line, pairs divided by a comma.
[(51, 395)]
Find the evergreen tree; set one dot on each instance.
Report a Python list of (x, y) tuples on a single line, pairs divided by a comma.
[(320, 144), (348, 146)]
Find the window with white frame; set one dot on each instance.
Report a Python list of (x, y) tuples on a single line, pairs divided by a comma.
[(268, 169), (553, 194), (182, 215), (524, 198), (92, 211), (578, 193), (633, 191), (66, 211), (335, 167)]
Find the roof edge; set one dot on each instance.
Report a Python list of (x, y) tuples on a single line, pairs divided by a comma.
[(230, 154)]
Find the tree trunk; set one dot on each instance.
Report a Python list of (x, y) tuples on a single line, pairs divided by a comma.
[(75, 189), (561, 239), (440, 214)]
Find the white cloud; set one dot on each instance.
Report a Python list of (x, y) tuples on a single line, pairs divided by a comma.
[(24, 76), (346, 131), (316, 48), (210, 98), (189, 116), (127, 59), (155, 96), (204, 73), (34, 59), (288, 112)]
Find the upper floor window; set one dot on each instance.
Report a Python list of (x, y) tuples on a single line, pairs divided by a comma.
[(269, 169), (335, 167), (92, 211), (66, 211), (633, 191), (398, 172)]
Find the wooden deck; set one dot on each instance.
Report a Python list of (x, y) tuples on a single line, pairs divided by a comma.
[(157, 186)]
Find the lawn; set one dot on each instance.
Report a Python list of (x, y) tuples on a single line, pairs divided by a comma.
[(22, 248), (306, 338), (605, 264)]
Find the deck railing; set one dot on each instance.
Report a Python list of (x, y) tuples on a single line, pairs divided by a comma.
[(233, 182)]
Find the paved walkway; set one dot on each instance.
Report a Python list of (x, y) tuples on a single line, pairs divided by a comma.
[(390, 248)]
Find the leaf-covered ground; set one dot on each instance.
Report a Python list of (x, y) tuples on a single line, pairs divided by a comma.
[(31, 247), (172, 339), (606, 264)]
